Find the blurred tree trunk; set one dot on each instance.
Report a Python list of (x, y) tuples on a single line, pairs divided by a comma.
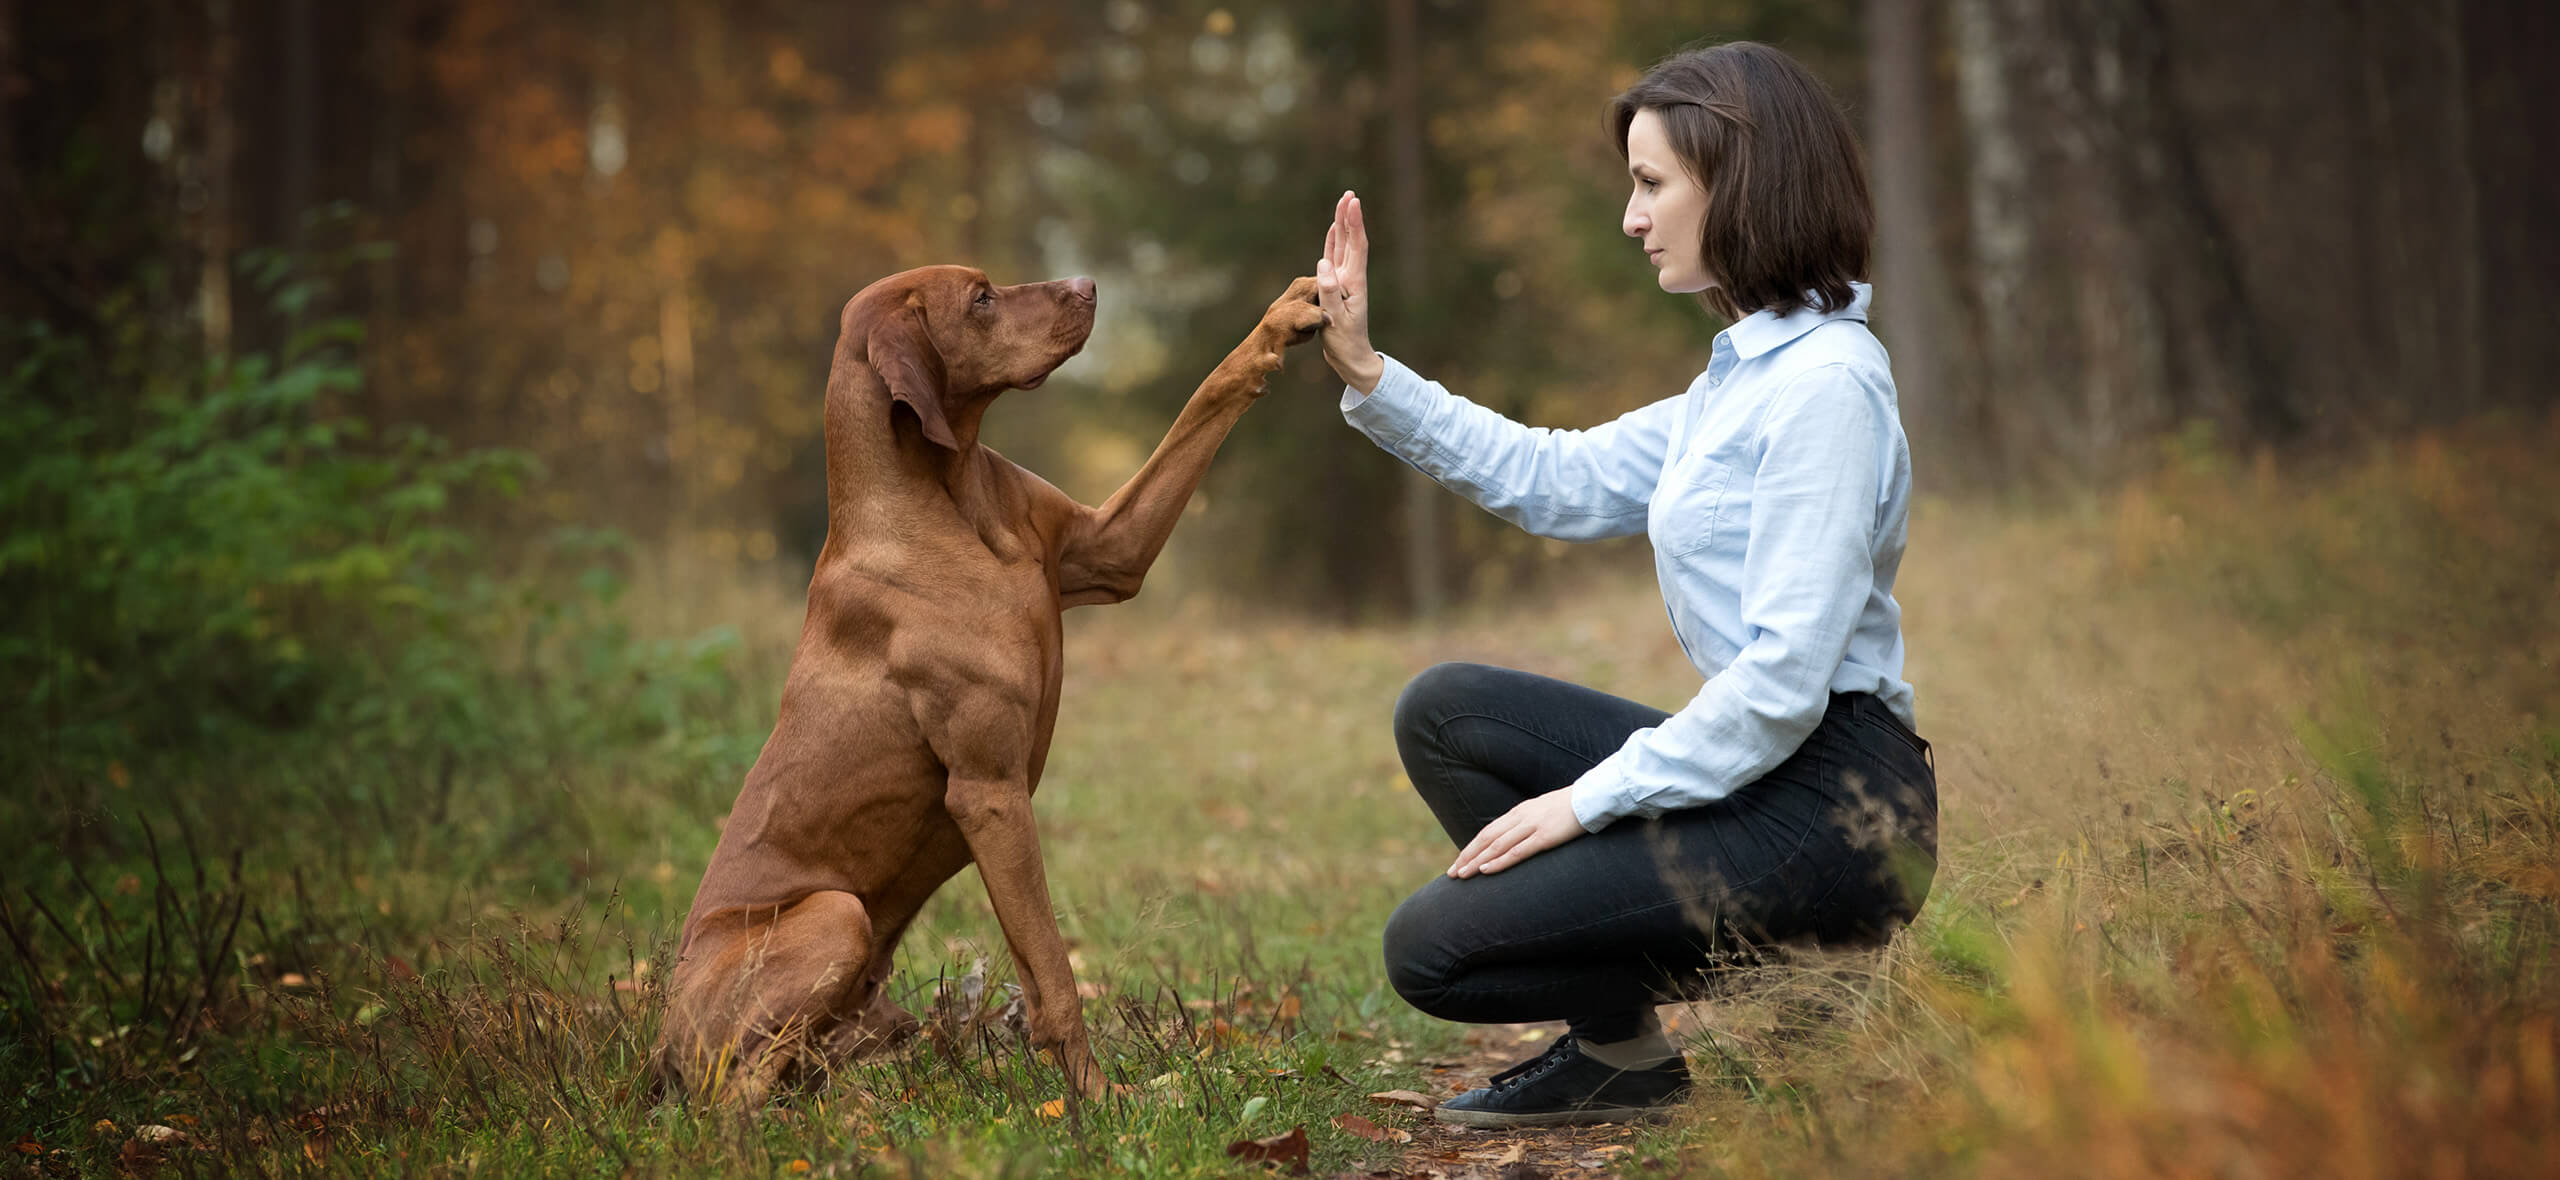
[(2113, 302), (213, 234), (301, 118), (2422, 215), (1422, 497), (2465, 296), (8, 101), (1910, 308), (386, 64), (2217, 358), (2001, 235)]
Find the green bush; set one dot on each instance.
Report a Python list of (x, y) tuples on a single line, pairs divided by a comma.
[(199, 561)]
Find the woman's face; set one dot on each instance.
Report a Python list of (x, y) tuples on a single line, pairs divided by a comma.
[(1668, 209)]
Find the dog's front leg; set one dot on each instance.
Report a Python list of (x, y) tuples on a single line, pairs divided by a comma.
[(994, 816), (1111, 548)]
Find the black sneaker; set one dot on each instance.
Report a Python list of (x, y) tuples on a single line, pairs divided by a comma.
[(1565, 1086)]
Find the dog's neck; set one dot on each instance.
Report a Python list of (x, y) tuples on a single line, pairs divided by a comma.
[(868, 432)]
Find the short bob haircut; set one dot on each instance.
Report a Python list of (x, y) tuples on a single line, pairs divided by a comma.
[(1788, 221)]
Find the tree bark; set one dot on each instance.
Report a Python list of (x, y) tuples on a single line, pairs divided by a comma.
[(8, 96), (2000, 228), (1910, 285), (213, 238), (388, 91), (2465, 298), (301, 117)]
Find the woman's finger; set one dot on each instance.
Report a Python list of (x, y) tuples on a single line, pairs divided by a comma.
[(1510, 837), (1484, 837), (1332, 236), (1530, 844), (1355, 249)]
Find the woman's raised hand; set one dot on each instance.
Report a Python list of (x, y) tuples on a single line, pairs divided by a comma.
[(1342, 288)]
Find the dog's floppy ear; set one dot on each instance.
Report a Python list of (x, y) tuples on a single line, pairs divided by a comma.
[(907, 361)]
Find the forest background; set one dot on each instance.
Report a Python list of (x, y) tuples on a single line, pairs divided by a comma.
[(410, 468)]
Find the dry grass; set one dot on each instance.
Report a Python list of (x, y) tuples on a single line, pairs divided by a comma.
[(2251, 867)]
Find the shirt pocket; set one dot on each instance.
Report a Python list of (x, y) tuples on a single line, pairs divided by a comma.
[(1690, 513)]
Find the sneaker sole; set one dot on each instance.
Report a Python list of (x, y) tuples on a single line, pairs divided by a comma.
[(1500, 1120)]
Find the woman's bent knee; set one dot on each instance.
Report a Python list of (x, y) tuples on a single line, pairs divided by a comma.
[(1437, 691), (1418, 966)]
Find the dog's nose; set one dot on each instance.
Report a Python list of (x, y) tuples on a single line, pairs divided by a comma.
[(1083, 287)]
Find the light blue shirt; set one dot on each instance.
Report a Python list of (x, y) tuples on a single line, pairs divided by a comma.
[(1776, 492)]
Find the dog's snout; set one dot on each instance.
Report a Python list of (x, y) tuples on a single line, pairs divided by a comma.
[(1082, 287)]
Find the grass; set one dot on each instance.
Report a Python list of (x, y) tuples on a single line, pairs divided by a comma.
[(2251, 781)]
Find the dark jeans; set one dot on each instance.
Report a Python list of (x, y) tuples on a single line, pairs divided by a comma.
[(1836, 846)]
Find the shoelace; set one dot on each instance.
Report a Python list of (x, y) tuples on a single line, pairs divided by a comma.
[(1529, 1070)]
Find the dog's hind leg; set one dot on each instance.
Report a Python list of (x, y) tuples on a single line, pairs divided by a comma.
[(881, 1025), (751, 1011)]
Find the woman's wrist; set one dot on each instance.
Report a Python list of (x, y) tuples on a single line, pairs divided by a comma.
[(1363, 373)]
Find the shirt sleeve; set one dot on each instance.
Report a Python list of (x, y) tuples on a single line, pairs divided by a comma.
[(1808, 569), (1572, 485)]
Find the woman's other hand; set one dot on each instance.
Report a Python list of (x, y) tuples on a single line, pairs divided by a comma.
[(1535, 826), (1342, 289)]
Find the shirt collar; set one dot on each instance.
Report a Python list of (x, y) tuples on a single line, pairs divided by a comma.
[(1765, 331)]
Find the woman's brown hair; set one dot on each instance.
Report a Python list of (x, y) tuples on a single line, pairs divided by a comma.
[(1788, 222)]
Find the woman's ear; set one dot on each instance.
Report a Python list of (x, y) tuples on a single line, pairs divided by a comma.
[(903, 354)]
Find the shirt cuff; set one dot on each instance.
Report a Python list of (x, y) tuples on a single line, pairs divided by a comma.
[(1393, 410), (1596, 802)]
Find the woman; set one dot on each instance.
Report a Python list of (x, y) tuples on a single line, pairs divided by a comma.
[(1611, 853)]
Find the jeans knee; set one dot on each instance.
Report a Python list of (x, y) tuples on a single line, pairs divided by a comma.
[(1432, 693), (1416, 967)]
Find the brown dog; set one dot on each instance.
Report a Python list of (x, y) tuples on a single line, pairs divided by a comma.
[(917, 712)]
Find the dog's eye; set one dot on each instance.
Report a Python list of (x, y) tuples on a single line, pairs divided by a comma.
[(985, 298)]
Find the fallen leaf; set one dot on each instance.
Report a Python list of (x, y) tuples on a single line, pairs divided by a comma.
[(1290, 1149), (1610, 1149), (1528, 1035), (798, 1165), (103, 1126), (1515, 1155), (137, 1156), (1371, 1131), (155, 1133), (1053, 1108), (1287, 1011), (292, 979), (30, 1147), (1404, 1098)]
